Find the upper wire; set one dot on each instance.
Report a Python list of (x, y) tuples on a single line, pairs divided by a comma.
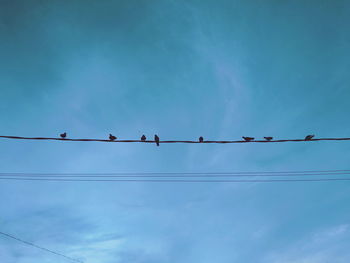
[(173, 141)]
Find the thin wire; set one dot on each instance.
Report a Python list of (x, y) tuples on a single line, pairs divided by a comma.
[(170, 141), (150, 175), (42, 248), (178, 181), (314, 172)]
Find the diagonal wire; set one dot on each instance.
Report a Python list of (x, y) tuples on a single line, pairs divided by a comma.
[(42, 248)]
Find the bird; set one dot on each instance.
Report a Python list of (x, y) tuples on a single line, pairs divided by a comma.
[(201, 139), (248, 139), (143, 138), (309, 137), (156, 139), (112, 137), (268, 138), (63, 135)]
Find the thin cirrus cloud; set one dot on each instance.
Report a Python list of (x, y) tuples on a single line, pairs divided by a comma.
[(328, 244)]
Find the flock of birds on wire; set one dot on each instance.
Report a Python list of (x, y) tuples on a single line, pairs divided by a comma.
[(200, 139)]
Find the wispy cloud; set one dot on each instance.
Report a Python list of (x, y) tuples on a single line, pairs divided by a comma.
[(327, 245)]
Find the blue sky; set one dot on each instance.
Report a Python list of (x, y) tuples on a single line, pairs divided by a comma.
[(181, 69)]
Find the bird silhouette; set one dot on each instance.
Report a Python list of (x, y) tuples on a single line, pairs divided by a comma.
[(268, 138), (63, 135), (112, 137), (248, 139), (201, 139), (143, 138), (156, 139), (309, 137)]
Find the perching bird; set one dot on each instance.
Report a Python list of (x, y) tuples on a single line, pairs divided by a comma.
[(309, 137), (268, 138), (143, 138), (248, 139), (201, 139), (156, 139), (112, 137), (63, 135)]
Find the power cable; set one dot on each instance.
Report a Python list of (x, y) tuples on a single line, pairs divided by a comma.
[(164, 175), (179, 181), (173, 141), (39, 247), (345, 171)]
